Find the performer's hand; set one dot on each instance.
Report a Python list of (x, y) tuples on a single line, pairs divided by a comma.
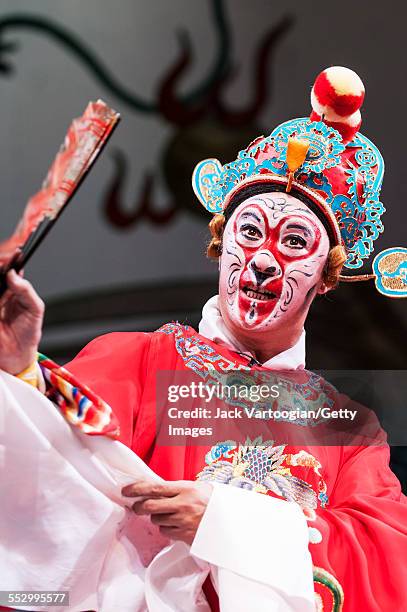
[(21, 316), (177, 507)]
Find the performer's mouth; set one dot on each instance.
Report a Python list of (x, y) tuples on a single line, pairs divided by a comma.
[(256, 293)]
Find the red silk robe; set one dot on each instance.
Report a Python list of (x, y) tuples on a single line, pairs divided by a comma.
[(356, 513)]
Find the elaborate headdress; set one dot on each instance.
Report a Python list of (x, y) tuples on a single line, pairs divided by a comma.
[(328, 161)]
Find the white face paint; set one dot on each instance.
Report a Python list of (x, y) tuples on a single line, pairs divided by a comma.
[(274, 252)]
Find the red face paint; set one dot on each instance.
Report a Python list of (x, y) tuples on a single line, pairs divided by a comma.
[(267, 259)]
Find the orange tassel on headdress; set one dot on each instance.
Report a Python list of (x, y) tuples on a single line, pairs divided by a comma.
[(297, 149)]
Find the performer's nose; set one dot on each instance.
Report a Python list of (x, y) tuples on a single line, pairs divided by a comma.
[(264, 266)]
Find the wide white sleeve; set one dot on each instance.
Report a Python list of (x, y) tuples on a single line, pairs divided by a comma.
[(64, 525), (258, 546)]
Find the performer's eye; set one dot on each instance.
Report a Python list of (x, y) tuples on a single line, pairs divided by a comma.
[(294, 241), (250, 232)]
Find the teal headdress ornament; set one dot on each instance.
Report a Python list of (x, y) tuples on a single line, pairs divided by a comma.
[(328, 160)]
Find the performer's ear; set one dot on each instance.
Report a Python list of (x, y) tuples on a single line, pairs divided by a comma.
[(323, 288)]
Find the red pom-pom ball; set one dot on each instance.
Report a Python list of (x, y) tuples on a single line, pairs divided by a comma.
[(337, 96), (339, 90)]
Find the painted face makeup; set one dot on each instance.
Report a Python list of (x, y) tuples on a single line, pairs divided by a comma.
[(274, 252)]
